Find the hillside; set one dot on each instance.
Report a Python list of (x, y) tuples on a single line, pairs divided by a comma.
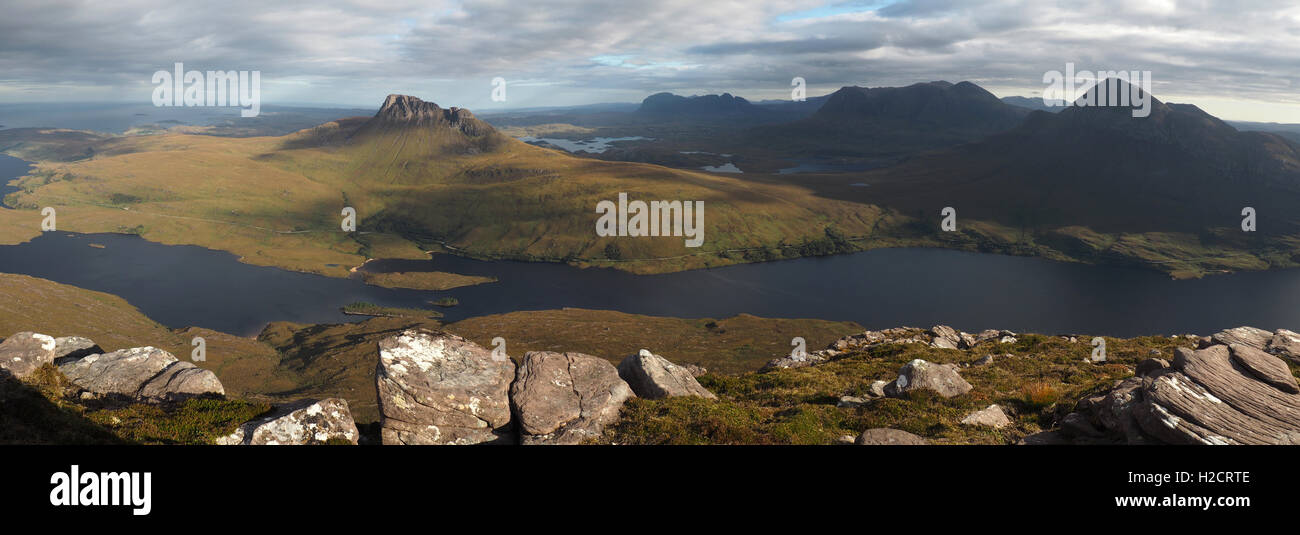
[(701, 107), (893, 122), (1099, 184), (419, 177)]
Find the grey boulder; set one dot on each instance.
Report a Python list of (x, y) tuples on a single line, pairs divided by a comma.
[(992, 416), (922, 375), (70, 348), (889, 437), (654, 377), (301, 422), (23, 352), (439, 388), (141, 374), (566, 398)]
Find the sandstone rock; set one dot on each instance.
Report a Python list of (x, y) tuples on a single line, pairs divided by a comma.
[(70, 348), (565, 398), (654, 377), (1256, 338), (889, 437), (1044, 438), (986, 335), (1285, 344), (1007, 340), (141, 374), (791, 362), (992, 416), (922, 375), (23, 352), (1148, 366), (852, 402), (298, 423), (877, 388), (1221, 394), (984, 361), (439, 388), (945, 337)]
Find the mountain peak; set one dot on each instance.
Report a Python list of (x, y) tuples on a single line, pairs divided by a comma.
[(669, 103), (940, 102), (406, 109)]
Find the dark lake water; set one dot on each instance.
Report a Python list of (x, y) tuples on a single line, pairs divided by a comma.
[(10, 168), (185, 285)]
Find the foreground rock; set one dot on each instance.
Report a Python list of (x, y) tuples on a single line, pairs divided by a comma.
[(992, 416), (1221, 394), (939, 336), (889, 437), (140, 374), (299, 423), (922, 375), (69, 348), (23, 352), (439, 388), (653, 377), (566, 398)]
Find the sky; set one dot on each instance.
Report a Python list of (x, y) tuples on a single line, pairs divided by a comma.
[(1238, 60)]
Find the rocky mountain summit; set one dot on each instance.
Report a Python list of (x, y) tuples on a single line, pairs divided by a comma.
[(409, 110)]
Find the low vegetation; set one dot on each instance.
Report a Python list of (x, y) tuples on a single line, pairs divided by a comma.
[(362, 308), (424, 280), (1041, 378)]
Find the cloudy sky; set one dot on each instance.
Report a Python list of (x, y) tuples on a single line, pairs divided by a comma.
[(1239, 60)]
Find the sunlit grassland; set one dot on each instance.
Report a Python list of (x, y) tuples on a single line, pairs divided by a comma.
[(280, 206)]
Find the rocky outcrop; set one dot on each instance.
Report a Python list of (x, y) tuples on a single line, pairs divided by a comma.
[(439, 388), (408, 110), (918, 374), (69, 348), (1232, 393), (23, 352), (654, 377), (565, 398), (140, 374), (939, 336), (302, 422), (992, 416), (889, 437)]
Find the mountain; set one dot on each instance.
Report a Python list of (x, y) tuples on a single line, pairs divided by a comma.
[(799, 109), (1134, 180), (963, 105), (893, 122), (1036, 103), (700, 106)]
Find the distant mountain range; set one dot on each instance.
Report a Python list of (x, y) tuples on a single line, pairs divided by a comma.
[(1180, 169), (891, 122), (1037, 103)]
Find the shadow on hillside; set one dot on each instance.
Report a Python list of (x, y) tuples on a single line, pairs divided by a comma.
[(28, 417)]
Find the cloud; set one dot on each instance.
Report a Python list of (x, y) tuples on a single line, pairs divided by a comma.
[(573, 51)]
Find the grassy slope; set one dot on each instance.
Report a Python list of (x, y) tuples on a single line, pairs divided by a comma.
[(38, 305), (732, 345), (1045, 376), (278, 206)]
